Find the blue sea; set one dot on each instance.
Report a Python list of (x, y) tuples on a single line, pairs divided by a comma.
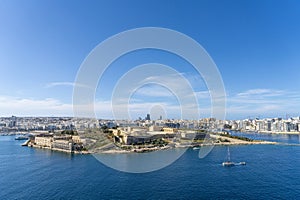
[(272, 172)]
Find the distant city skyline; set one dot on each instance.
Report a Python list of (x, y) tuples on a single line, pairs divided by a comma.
[(255, 45)]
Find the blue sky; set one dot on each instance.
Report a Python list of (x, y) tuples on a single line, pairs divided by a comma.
[(255, 45)]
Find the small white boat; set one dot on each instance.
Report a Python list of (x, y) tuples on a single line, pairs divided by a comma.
[(241, 163), (229, 163), (196, 148)]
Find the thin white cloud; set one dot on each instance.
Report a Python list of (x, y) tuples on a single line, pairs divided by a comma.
[(263, 92), (103, 108), (72, 84), (264, 96), (33, 107), (258, 102), (255, 103)]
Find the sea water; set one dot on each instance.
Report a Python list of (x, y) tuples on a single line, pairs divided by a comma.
[(272, 172)]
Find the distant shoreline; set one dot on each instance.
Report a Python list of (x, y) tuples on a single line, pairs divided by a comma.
[(243, 131)]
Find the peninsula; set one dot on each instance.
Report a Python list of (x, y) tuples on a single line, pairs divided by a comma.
[(132, 139)]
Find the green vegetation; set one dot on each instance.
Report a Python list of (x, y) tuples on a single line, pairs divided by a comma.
[(223, 140), (84, 149), (105, 129), (198, 141), (201, 131), (159, 142), (127, 147), (69, 132)]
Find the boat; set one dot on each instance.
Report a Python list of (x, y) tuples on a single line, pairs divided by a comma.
[(22, 137), (241, 163), (229, 163), (196, 148)]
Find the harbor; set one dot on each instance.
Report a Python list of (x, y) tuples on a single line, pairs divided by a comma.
[(268, 160)]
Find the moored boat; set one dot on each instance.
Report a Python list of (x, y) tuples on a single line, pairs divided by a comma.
[(229, 163), (22, 137)]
